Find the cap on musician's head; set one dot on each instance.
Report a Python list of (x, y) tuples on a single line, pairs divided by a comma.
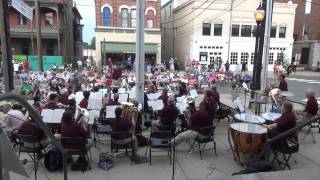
[(116, 96), (53, 96), (171, 100)]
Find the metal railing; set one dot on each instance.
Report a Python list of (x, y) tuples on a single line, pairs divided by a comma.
[(36, 116)]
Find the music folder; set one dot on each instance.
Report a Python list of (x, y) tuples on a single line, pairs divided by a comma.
[(52, 115), (110, 112)]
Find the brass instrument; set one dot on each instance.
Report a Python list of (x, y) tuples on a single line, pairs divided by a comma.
[(130, 112)]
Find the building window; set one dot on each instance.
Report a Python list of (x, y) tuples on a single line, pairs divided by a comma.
[(306, 30), (22, 20), (217, 30), (246, 30), (270, 60), (273, 32), (206, 29), (124, 17), (252, 58), (170, 11), (133, 18), (244, 57), (307, 7), (150, 19), (282, 32), (254, 31), (106, 16), (48, 19), (235, 30), (280, 57), (234, 58)]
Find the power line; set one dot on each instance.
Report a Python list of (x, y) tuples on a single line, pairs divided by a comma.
[(194, 17), (185, 14)]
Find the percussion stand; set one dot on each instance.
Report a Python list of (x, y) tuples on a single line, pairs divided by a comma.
[(174, 158)]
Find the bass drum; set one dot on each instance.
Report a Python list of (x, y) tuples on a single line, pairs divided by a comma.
[(247, 142)]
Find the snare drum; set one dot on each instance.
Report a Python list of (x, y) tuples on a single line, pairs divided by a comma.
[(248, 142)]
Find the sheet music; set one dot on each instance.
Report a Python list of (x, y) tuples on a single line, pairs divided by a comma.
[(110, 111), (193, 93), (122, 90), (79, 97), (104, 91), (181, 99), (237, 103), (153, 96), (93, 114), (132, 94), (181, 106), (96, 95), (95, 104), (52, 115), (245, 86), (156, 105)]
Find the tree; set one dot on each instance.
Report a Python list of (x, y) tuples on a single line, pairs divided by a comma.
[(93, 43), (86, 45)]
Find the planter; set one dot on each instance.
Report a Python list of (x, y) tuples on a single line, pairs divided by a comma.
[(235, 92)]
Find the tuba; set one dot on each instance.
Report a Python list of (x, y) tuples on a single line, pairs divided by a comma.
[(130, 112)]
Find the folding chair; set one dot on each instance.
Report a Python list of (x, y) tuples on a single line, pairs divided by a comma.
[(160, 140), (76, 146), (205, 136), (116, 144), (103, 127), (33, 149), (286, 149)]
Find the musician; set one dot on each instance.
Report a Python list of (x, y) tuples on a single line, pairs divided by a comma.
[(215, 95), (311, 108), (70, 128), (85, 101), (182, 89), (115, 101), (52, 103), (168, 115), (164, 96), (55, 86), (210, 103), (63, 98), (199, 119), (151, 88), (283, 86), (285, 122), (12, 119), (31, 128), (72, 106)]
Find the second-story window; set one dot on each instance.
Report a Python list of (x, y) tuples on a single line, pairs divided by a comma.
[(150, 19), (273, 32), (246, 30), (235, 30), (124, 17), (106, 16), (48, 19), (22, 20), (306, 30), (217, 30), (282, 32), (206, 29), (133, 18)]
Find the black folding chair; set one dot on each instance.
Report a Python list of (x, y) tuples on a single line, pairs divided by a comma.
[(205, 136), (103, 127), (33, 149), (286, 148), (127, 138), (160, 140), (76, 146)]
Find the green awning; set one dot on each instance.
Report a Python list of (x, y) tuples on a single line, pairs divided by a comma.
[(127, 48)]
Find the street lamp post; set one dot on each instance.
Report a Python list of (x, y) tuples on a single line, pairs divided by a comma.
[(259, 16)]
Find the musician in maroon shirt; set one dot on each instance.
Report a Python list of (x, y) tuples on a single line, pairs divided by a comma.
[(70, 128), (63, 98), (168, 115), (311, 108), (198, 120), (283, 86), (52, 103), (164, 97), (85, 101), (115, 101)]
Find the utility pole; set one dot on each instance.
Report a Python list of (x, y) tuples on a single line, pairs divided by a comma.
[(230, 30), (266, 46), (140, 56), (7, 66), (38, 31)]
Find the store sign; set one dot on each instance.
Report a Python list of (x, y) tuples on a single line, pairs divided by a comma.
[(23, 8)]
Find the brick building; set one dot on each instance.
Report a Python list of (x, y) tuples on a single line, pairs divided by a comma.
[(59, 38), (115, 29)]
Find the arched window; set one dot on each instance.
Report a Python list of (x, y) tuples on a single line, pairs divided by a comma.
[(150, 19), (124, 17), (133, 18), (106, 16)]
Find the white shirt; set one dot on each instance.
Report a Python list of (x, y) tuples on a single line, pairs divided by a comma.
[(13, 119)]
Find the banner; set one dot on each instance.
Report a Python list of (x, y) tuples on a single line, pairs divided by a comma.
[(48, 61), (23, 8), (19, 58)]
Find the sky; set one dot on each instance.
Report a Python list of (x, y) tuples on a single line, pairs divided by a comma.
[(87, 11)]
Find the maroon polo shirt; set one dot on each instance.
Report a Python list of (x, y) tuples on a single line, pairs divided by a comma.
[(121, 125), (168, 115), (51, 105), (312, 106), (113, 103), (30, 128), (63, 99), (84, 103), (285, 122), (200, 119), (283, 86), (164, 98), (73, 129)]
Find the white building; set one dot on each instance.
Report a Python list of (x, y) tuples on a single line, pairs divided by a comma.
[(202, 29)]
